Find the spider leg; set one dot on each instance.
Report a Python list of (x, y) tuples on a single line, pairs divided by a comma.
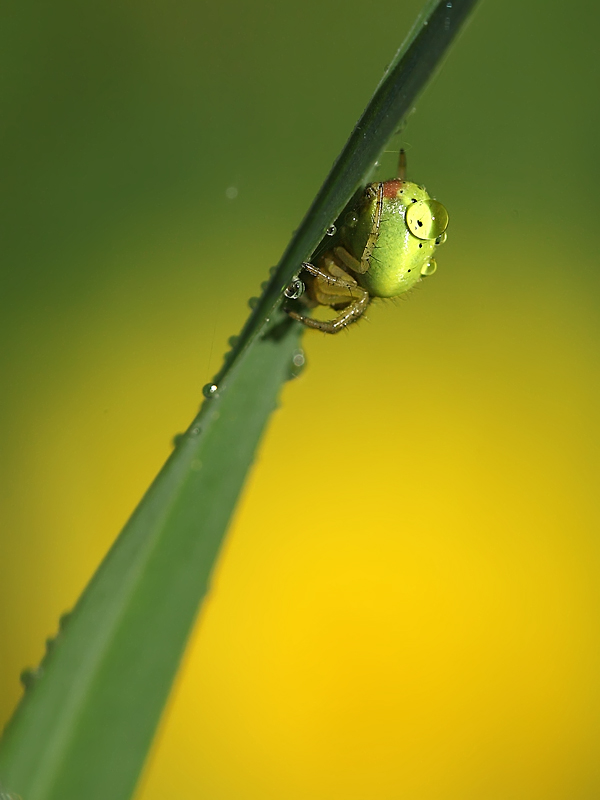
[(334, 290)]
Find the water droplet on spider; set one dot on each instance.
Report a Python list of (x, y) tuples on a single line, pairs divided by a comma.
[(195, 431), (264, 285), (210, 390), (177, 439), (253, 302), (331, 230), (295, 289), (231, 192), (272, 270), (233, 340)]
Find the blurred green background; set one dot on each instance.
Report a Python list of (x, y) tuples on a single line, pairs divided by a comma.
[(408, 603)]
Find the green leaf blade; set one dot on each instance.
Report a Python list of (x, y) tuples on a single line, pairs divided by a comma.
[(84, 730)]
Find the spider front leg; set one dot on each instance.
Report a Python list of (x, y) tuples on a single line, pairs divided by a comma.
[(333, 288)]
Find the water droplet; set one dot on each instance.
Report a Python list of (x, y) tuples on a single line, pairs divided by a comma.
[(233, 340), (27, 677), (429, 268), (30, 676), (231, 192), (298, 363), (272, 270), (295, 289), (195, 431), (64, 618), (176, 440), (210, 390), (253, 302), (264, 285), (298, 358), (331, 230), (351, 219)]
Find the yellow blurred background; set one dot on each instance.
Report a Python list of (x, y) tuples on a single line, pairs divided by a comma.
[(407, 604)]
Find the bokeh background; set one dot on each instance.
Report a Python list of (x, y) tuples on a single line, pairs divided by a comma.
[(407, 604)]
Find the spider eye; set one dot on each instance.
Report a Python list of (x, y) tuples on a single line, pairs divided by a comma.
[(427, 219)]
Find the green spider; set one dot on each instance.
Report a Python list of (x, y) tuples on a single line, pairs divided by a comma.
[(384, 247)]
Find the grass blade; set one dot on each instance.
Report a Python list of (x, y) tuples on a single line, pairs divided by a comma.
[(84, 729), (85, 726)]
